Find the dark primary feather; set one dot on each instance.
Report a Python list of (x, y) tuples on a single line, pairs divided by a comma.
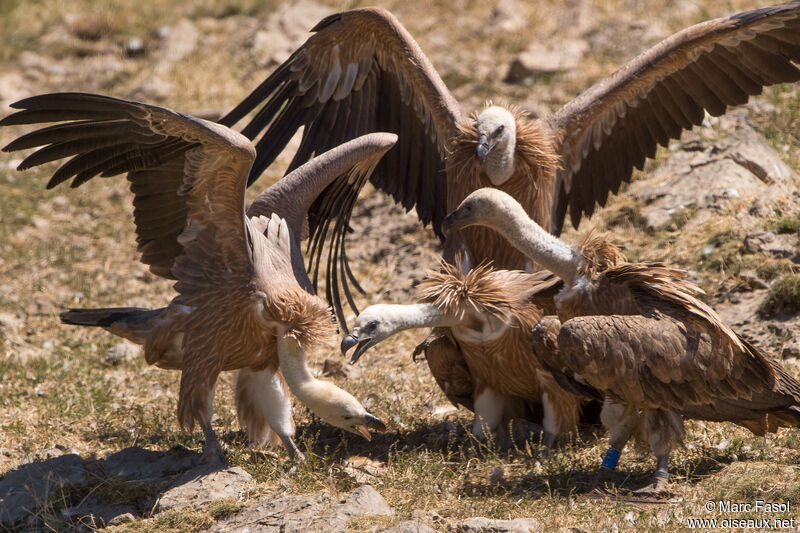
[(616, 124), (360, 88)]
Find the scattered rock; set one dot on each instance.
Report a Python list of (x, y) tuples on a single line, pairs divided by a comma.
[(91, 511), (24, 489), (134, 47), (706, 175), (540, 59), (486, 525), (124, 351), (121, 519), (202, 485), (179, 44), (410, 526), (318, 512), (363, 469), (508, 16), (286, 29), (147, 465), (791, 350)]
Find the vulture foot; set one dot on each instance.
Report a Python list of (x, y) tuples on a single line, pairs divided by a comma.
[(295, 455), (212, 450)]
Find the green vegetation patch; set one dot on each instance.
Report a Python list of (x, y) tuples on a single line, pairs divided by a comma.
[(783, 297)]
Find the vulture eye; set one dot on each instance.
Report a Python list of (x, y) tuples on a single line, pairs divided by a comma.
[(498, 131), (371, 326), (347, 417)]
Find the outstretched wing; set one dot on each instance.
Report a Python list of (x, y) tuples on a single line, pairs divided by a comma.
[(188, 175), (360, 72), (618, 123), (341, 171)]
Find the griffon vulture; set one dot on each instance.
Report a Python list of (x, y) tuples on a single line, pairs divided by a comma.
[(361, 71), (243, 296), (637, 334), (490, 314)]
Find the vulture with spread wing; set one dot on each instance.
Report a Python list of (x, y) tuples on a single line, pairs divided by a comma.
[(637, 334), (361, 71), (244, 297)]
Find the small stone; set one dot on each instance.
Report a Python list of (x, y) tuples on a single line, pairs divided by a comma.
[(540, 59), (791, 350), (508, 16), (134, 47), (486, 525), (723, 445), (198, 487), (410, 526), (121, 519)]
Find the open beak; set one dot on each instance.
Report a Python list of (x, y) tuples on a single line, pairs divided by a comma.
[(371, 422), (483, 148), (361, 346)]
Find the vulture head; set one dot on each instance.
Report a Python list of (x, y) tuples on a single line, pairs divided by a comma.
[(501, 212), (381, 321), (339, 408), (374, 324), (486, 207), (497, 135)]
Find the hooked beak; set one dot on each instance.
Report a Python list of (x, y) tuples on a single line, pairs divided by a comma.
[(370, 422), (448, 223), (352, 340), (483, 148)]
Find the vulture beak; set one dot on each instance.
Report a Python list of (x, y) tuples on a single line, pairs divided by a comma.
[(361, 346), (448, 223), (370, 422), (483, 148)]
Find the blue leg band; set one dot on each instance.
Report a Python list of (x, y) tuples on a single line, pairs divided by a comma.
[(611, 458)]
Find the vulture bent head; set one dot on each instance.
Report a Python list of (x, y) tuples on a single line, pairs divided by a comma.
[(338, 408), (486, 207), (497, 135)]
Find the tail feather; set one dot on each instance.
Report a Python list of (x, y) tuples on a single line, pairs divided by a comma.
[(133, 323)]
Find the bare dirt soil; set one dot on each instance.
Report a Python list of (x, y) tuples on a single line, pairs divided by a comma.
[(88, 434)]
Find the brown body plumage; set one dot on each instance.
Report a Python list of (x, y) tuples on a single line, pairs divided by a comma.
[(242, 301), (636, 334)]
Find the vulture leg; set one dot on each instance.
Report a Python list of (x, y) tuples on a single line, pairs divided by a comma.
[(549, 422), (196, 403), (265, 409), (621, 425), (488, 412), (664, 429)]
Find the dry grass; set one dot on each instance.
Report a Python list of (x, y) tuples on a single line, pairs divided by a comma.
[(66, 248)]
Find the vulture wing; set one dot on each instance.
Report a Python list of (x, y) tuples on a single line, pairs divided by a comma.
[(188, 176), (448, 367), (360, 72), (661, 363), (618, 123), (343, 170)]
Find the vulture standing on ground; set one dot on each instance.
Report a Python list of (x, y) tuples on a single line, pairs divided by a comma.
[(490, 314), (362, 71), (637, 334), (243, 295)]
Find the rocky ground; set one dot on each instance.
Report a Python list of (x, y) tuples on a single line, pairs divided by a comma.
[(88, 437)]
